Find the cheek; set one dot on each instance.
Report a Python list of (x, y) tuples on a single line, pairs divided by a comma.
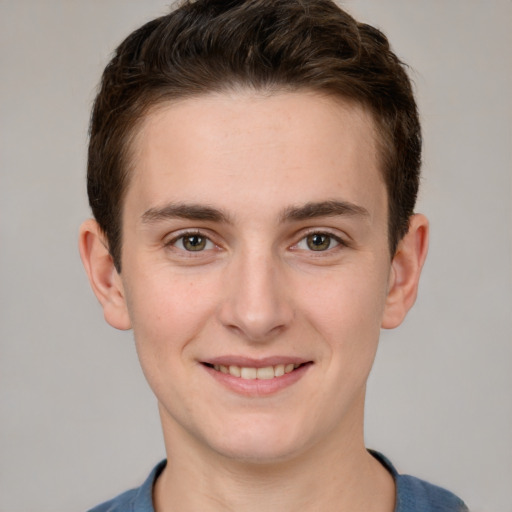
[(351, 300), (167, 312), (346, 310)]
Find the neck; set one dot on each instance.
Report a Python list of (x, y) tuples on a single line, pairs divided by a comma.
[(337, 475)]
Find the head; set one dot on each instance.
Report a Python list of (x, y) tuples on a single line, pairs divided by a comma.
[(253, 171), (271, 47)]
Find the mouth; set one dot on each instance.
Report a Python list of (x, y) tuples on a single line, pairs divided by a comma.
[(257, 373), (257, 377)]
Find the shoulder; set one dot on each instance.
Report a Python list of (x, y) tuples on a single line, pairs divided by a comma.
[(121, 503), (135, 500), (415, 495)]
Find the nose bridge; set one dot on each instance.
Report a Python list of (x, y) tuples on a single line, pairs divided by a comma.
[(255, 303)]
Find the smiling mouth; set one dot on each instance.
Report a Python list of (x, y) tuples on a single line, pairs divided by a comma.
[(252, 373)]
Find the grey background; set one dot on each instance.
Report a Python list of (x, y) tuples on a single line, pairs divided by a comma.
[(78, 423)]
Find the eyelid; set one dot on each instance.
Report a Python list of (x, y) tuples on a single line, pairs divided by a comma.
[(179, 235), (174, 237), (341, 241)]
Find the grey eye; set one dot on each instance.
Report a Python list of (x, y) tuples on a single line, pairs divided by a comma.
[(319, 241), (194, 242)]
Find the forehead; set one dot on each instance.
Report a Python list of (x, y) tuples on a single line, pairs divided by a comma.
[(282, 147)]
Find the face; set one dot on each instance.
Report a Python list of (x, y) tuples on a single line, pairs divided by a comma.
[(255, 269)]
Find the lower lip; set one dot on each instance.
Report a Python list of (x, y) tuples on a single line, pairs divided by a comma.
[(258, 387)]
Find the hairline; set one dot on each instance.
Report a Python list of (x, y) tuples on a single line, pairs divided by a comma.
[(162, 100)]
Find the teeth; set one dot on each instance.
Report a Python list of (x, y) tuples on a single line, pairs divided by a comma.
[(266, 373), (235, 371), (248, 373)]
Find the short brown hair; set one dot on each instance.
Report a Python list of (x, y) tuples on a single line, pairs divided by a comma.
[(273, 45)]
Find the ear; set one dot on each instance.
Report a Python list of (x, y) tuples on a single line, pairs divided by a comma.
[(103, 277), (405, 272)]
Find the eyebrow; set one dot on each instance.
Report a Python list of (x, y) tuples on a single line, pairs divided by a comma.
[(323, 209), (185, 211), (307, 211)]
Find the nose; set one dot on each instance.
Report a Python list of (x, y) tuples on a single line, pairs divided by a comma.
[(256, 304)]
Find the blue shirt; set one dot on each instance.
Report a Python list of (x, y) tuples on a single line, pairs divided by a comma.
[(412, 494)]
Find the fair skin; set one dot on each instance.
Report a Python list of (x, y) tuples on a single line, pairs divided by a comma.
[(254, 239)]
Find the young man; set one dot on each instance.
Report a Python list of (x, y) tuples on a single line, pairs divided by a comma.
[(253, 170)]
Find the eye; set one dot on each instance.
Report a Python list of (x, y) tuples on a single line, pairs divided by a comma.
[(193, 242), (318, 242)]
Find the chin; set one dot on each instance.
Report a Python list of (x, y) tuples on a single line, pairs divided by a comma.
[(261, 454), (260, 445)]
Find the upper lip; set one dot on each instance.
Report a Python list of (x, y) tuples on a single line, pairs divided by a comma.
[(249, 362)]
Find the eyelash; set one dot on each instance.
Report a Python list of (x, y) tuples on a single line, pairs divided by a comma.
[(340, 243), (189, 234), (196, 233)]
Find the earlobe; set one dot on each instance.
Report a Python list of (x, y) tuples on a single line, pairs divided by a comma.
[(405, 272), (103, 276)]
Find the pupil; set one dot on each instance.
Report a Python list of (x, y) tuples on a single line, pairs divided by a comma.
[(319, 242), (194, 243)]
